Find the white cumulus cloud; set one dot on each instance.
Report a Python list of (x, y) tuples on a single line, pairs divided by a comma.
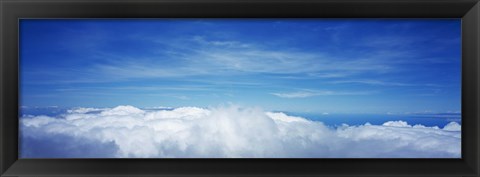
[(396, 124), (453, 126), (231, 131)]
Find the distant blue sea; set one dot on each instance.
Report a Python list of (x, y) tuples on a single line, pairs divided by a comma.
[(378, 119), (439, 120), (47, 111)]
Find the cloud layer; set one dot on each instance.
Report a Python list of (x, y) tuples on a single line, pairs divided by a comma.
[(228, 131)]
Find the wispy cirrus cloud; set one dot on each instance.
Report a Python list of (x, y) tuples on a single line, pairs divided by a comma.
[(383, 83), (312, 93), (215, 57), (371, 82), (202, 56), (221, 43)]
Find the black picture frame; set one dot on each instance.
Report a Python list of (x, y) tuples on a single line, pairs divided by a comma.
[(13, 10)]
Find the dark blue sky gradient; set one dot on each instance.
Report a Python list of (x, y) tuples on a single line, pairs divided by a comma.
[(316, 66)]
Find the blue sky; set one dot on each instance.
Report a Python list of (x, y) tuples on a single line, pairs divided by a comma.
[(323, 65)]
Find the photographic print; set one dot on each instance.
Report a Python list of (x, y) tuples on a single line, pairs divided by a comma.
[(240, 88)]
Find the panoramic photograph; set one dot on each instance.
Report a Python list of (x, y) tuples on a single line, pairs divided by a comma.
[(240, 88)]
